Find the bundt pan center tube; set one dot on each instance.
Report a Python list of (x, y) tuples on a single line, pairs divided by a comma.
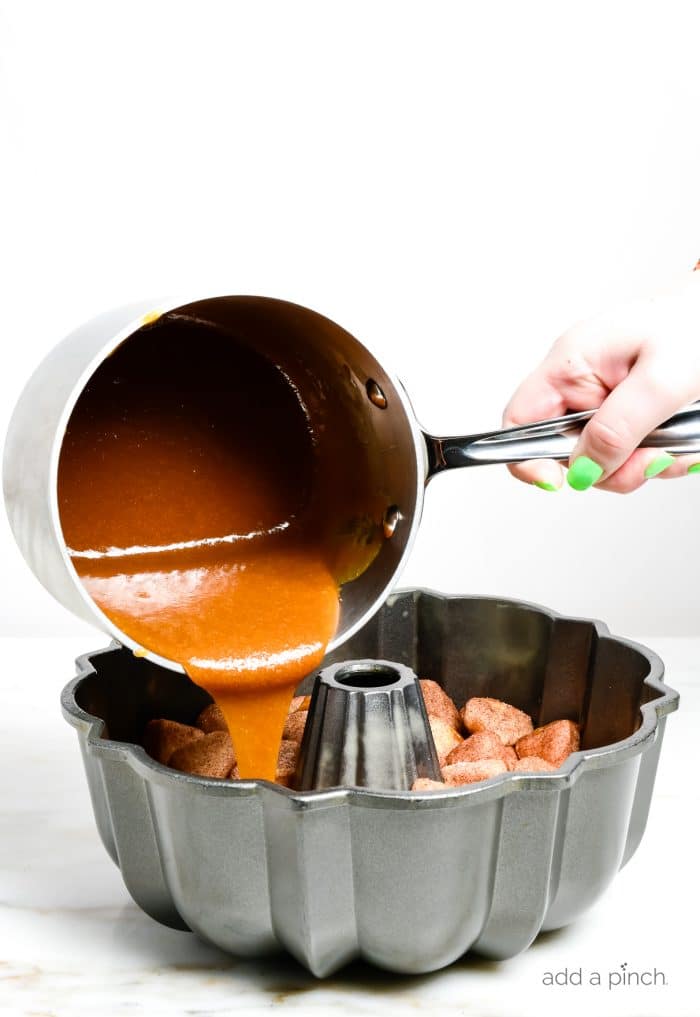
[(407, 880), (367, 727)]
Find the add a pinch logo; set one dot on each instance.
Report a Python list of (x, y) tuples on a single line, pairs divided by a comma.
[(615, 978)]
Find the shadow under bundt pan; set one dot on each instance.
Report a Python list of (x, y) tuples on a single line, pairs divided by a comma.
[(409, 881)]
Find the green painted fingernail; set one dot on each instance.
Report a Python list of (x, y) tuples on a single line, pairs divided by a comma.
[(544, 486), (658, 465), (695, 468), (583, 473)]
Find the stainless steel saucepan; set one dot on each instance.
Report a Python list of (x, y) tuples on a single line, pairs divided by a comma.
[(352, 403)]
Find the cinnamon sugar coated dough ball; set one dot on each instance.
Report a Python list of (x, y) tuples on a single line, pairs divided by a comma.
[(209, 756), (439, 704), (533, 764), (287, 761), (482, 745), (163, 737), (553, 742), (480, 713), (444, 736), (426, 784), (299, 703), (294, 725), (211, 719), (470, 773)]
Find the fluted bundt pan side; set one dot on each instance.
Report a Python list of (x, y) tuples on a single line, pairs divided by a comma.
[(407, 880)]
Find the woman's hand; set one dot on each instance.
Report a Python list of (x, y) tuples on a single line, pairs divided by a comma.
[(639, 363)]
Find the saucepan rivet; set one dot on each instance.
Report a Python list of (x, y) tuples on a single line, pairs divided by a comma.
[(391, 520), (375, 394)]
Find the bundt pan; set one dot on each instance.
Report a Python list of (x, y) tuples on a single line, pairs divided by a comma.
[(407, 880)]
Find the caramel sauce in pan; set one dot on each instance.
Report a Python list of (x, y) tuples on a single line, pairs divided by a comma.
[(195, 513)]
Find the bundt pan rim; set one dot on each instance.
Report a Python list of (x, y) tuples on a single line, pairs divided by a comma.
[(579, 762)]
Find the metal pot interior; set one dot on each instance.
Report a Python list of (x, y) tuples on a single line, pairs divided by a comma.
[(368, 449)]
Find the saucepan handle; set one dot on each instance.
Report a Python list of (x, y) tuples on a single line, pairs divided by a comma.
[(552, 439)]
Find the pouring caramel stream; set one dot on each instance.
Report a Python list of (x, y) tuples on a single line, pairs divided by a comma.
[(196, 516)]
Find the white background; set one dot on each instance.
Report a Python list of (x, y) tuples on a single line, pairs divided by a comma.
[(455, 183)]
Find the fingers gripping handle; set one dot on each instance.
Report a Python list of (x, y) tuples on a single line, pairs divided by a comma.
[(552, 439)]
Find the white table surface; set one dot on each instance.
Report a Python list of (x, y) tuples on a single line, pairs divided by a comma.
[(72, 941)]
